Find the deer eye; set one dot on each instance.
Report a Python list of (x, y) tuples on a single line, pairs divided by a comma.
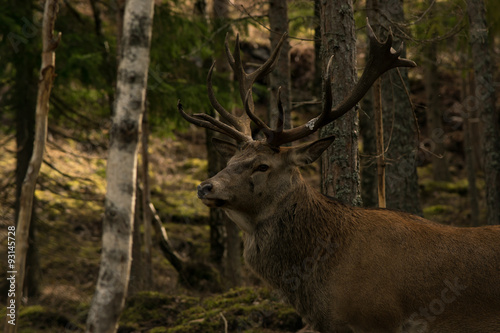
[(262, 168)]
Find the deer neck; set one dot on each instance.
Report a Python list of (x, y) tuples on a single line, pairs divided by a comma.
[(250, 220), (306, 228)]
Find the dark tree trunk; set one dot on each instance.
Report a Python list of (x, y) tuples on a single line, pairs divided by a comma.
[(225, 241), (434, 116), (217, 216), (135, 283), (367, 157), (215, 162), (146, 199), (107, 67), (280, 77), (485, 103), (25, 92), (340, 164), (470, 161), (399, 122)]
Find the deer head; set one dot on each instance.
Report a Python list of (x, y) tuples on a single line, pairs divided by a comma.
[(260, 173)]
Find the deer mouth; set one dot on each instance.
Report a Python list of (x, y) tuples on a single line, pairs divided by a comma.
[(213, 202)]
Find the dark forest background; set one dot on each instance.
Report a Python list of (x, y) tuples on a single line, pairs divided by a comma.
[(439, 161)]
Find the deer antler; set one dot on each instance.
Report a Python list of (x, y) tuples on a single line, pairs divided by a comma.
[(239, 126), (381, 58)]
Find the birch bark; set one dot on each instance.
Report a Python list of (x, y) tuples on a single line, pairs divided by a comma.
[(112, 284)]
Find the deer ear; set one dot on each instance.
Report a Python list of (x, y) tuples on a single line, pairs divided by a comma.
[(225, 148), (309, 152)]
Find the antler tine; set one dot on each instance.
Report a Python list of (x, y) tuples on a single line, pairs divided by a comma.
[(242, 124), (246, 80), (239, 127), (206, 121), (259, 122), (268, 132), (382, 57)]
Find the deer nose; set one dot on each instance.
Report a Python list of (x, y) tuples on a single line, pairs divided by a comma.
[(203, 189)]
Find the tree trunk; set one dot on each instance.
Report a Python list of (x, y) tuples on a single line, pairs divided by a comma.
[(485, 103), (47, 74), (135, 283), (215, 164), (469, 155), (106, 66), (146, 199), (340, 164), (120, 13), (24, 101), (379, 139), (217, 216), (373, 13), (280, 77), (435, 131), (400, 129), (368, 165), (225, 238), (111, 289)]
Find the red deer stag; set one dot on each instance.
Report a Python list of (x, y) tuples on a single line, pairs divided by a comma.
[(345, 269)]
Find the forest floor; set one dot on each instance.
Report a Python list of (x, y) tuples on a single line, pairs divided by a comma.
[(69, 211)]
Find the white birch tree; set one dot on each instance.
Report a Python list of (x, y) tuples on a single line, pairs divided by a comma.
[(112, 284)]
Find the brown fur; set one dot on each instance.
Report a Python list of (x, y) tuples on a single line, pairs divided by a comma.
[(352, 269)]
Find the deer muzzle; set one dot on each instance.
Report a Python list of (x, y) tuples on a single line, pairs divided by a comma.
[(204, 189), (207, 196)]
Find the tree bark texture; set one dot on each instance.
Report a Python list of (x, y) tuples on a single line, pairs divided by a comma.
[(114, 272), (280, 77), (367, 157), (146, 199), (225, 241), (340, 163), (136, 281), (400, 129), (47, 74), (434, 116), (215, 163), (470, 162), (379, 136), (485, 103), (24, 101)]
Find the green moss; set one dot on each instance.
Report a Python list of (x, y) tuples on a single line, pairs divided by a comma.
[(437, 210), (152, 309), (233, 296), (38, 317), (459, 187), (159, 330), (244, 310), (180, 203)]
